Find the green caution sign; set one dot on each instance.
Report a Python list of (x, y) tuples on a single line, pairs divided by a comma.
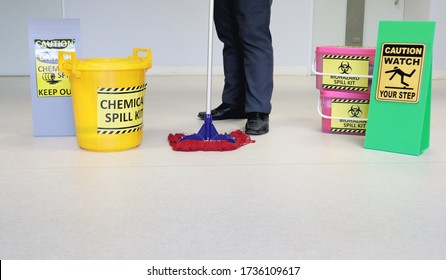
[(400, 99)]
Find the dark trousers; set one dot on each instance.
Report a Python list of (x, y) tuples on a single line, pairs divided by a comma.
[(243, 27)]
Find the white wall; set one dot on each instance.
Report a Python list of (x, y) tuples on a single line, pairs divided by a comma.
[(378, 10), (417, 9), (14, 15), (437, 14), (175, 30), (329, 23), (330, 19)]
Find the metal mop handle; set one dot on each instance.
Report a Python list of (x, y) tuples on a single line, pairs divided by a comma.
[(209, 66), (207, 131)]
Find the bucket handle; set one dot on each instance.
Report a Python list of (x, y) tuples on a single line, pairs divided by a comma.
[(319, 110), (67, 63), (147, 58), (313, 68)]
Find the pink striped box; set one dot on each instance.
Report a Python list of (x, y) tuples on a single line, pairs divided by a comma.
[(347, 69)]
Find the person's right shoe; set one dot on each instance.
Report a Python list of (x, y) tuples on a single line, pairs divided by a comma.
[(257, 124), (225, 111)]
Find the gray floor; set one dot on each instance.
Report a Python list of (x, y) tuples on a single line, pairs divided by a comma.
[(296, 193)]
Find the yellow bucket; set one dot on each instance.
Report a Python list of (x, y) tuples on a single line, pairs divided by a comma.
[(108, 99)]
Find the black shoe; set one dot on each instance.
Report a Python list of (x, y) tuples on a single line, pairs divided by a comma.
[(257, 124), (225, 111)]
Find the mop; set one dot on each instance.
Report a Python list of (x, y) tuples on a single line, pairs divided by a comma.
[(207, 138)]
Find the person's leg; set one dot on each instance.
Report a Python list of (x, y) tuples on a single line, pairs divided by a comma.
[(228, 32), (253, 18)]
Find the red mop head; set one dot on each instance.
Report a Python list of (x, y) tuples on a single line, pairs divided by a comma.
[(240, 137)]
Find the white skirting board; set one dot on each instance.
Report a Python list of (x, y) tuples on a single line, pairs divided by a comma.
[(218, 70), (195, 71), (278, 71)]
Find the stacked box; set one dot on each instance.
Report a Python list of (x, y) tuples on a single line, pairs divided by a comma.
[(343, 78), (344, 112)]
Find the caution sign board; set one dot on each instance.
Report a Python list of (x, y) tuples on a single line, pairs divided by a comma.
[(52, 106), (400, 112), (349, 109), (400, 72), (50, 81), (120, 110), (345, 65)]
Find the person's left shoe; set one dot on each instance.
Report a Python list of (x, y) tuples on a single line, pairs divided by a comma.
[(257, 124), (225, 111)]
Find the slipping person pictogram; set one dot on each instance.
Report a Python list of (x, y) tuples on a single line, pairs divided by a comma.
[(400, 72)]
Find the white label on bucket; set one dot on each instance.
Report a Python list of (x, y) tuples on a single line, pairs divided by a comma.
[(120, 110), (349, 108)]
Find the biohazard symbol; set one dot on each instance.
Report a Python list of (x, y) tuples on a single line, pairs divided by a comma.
[(398, 71), (355, 111), (50, 78), (345, 68)]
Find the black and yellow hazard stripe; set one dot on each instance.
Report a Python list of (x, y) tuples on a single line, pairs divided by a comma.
[(364, 89), (346, 57), (346, 130), (122, 90), (116, 131), (351, 101)]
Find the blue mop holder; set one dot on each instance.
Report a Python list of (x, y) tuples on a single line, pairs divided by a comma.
[(208, 132)]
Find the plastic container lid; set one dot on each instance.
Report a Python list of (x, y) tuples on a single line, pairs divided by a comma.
[(68, 61), (111, 64), (346, 50)]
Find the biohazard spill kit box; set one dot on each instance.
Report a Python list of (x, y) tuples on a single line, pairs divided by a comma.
[(344, 78), (52, 110), (344, 113), (344, 68)]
